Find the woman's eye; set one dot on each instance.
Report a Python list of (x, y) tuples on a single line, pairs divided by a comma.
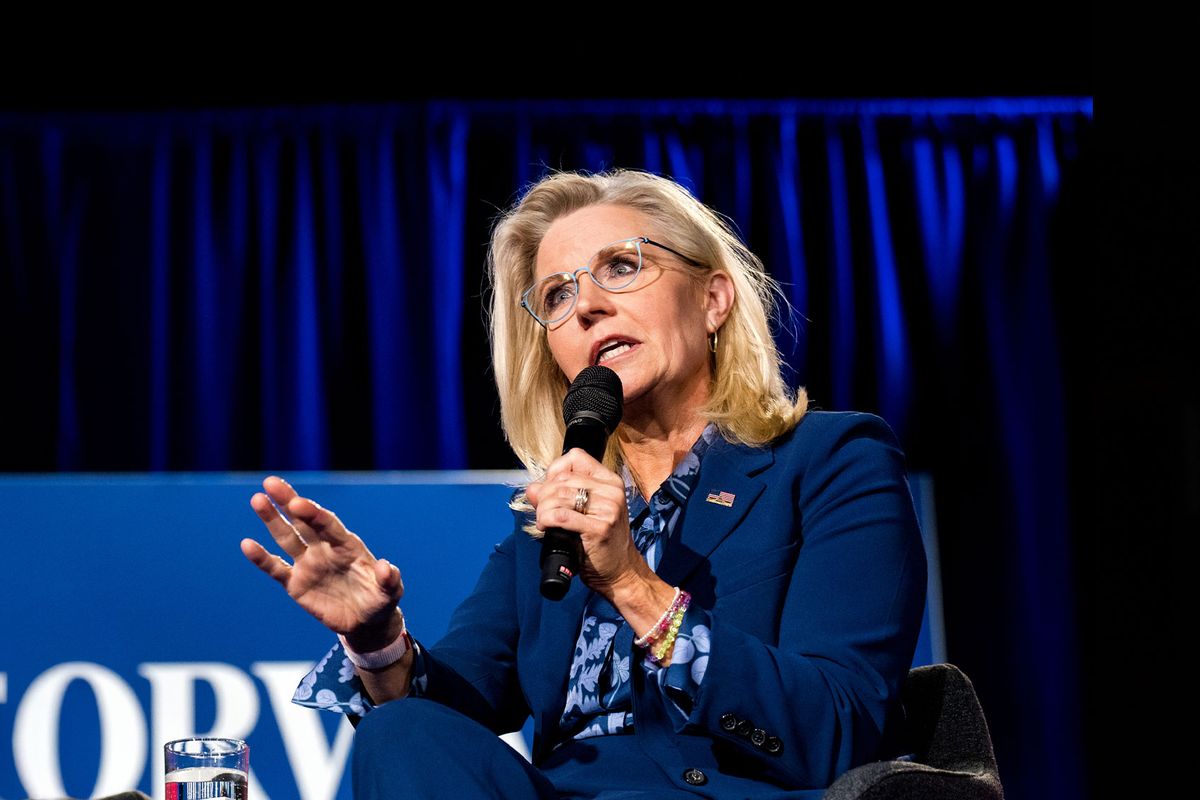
[(619, 269), (557, 295)]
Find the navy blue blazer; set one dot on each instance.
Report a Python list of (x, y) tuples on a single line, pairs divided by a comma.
[(815, 580)]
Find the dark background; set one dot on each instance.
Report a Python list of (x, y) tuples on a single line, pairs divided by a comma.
[(1128, 328)]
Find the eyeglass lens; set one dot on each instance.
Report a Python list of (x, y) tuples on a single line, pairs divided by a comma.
[(614, 267)]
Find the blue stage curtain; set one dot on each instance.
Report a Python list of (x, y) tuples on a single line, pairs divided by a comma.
[(301, 288)]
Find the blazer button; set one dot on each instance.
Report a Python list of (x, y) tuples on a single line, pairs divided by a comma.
[(695, 777), (758, 737), (744, 727), (728, 722), (773, 745)]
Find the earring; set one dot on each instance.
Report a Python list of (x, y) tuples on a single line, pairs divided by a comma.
[(712, 343)]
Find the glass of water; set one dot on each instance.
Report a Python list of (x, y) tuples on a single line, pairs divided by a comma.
[(202, 769)]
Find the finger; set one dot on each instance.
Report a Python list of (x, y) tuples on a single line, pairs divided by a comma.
[(564, 464), (321, 521), (533, 492), (575, 462), (387, 575), (282, 531), (273, 565), (602, 518), (566, 493), (569, 519), (279, 490), (606, 511), (281, 493), (602, 503)]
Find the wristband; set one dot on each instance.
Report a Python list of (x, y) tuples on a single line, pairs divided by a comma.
[(384, 657)]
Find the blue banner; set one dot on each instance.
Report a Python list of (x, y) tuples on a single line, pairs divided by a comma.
[(130, 618)]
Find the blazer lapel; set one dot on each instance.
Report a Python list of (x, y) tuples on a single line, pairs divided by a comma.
[(728, 469), (558, 632)]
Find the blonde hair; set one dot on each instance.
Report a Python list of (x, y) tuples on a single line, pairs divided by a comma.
[(749, 402)]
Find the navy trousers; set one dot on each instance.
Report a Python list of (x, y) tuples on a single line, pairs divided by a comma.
[(421, 749)]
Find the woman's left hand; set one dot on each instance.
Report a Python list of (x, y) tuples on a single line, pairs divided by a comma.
[(610, 558)]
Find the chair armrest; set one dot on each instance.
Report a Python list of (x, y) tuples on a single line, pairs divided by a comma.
[(899, 780)]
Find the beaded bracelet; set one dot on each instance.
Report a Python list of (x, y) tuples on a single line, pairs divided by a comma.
[(663, 622), (666, 645)]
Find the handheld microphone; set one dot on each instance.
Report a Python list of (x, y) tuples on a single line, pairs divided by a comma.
[(592, 409)]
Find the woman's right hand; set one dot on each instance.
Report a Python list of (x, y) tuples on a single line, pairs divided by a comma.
[(333, 575)]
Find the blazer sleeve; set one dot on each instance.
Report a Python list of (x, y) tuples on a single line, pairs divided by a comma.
[(812, 704), (473, 668), (472, 671)]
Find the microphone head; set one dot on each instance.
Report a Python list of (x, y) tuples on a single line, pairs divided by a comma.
[(597, 392)]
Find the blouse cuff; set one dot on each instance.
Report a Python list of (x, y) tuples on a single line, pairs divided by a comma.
[(333, 684), (680, 681)]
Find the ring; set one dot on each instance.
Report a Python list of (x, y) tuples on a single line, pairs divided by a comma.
[(581, 500)]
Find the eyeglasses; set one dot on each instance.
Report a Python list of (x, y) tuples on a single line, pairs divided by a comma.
[(615, 267)]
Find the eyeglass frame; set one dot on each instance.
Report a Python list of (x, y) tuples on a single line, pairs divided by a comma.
[(575, 276)]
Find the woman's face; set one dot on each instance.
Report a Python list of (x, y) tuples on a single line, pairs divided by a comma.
[(654, 334)]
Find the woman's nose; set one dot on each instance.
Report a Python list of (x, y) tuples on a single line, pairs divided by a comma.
[(591, 300)]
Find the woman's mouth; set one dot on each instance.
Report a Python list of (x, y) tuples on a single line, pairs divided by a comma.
[(614, 350)]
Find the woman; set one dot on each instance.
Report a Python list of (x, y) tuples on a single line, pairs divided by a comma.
[(753, 577)]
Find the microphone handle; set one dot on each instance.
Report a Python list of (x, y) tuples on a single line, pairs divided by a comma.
[(562, 551)]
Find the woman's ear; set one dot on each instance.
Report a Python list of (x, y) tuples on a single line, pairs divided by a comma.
[(719, 295)]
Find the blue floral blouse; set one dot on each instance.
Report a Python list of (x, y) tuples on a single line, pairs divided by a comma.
[(598, 693)]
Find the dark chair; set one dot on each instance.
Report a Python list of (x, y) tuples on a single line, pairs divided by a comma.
[(947, 736)]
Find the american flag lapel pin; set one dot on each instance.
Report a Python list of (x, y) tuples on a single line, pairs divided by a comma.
[(721, 498)]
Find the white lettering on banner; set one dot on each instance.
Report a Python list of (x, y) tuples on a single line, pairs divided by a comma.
[(317, 766), (173, 709), (122, 731)]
